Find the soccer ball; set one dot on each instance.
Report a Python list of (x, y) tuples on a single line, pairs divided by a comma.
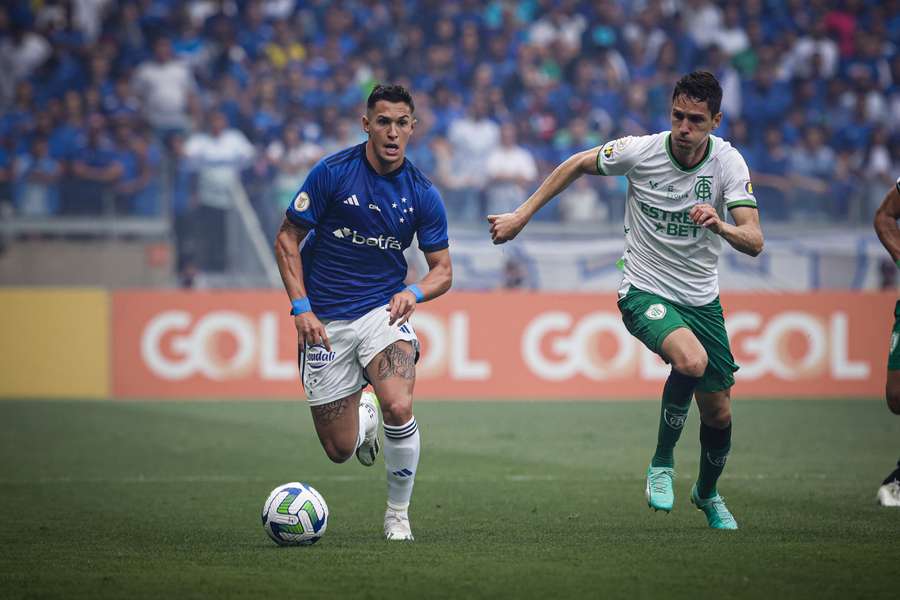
[(295, 514)]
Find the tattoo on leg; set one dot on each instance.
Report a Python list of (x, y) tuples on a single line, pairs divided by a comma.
[(396, 361), (328, 413)]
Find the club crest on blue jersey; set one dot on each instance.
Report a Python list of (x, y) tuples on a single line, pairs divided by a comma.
[(301, 202)]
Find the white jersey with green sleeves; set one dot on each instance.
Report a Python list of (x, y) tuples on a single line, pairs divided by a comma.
[(665, 253)]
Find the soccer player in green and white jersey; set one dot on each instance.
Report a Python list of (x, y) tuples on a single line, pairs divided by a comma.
[(886, 227), (680, 183)]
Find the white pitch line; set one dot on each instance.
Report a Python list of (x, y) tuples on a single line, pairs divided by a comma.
[(522, 478)]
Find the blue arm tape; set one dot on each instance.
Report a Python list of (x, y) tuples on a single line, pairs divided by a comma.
[(300, 305), (417, 292)]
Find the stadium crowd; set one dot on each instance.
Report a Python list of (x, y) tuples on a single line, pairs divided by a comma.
[(161, 107)]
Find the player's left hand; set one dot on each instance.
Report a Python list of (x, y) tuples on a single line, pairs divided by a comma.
[(706, 216), (401, 307), (505, 227)]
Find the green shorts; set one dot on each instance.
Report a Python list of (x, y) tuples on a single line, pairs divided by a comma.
[(650, 318), (894, 356)]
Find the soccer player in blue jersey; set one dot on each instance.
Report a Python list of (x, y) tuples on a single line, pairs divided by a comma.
[(355, 214)]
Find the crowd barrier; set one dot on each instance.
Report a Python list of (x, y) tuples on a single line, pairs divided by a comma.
[(503, 345)]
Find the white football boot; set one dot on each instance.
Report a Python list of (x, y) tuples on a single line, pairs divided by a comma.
[(368, 416), (396, 525), (889, 494)]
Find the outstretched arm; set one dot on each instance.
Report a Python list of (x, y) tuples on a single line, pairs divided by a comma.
[(508, 225), (310, 330), (886, 222), (435, 283)]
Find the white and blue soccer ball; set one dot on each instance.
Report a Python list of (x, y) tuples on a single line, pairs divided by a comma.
[(295, 514)]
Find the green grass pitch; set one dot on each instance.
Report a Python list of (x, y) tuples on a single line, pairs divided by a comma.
[(512, 500)]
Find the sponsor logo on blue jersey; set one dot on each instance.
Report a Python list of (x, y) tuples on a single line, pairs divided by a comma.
[(383, 242)]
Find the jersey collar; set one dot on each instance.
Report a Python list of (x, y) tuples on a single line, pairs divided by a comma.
[(678, 165)]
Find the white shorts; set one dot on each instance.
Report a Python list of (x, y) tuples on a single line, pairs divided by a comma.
[(329, 376)]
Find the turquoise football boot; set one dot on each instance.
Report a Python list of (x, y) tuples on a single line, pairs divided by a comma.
[(659, 492), (717, 514)]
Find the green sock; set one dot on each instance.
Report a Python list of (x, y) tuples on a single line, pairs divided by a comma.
[(676, 401), (714, 447)]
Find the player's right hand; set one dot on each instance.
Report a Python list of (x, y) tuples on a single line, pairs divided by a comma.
[(505, 227), (310, 331)]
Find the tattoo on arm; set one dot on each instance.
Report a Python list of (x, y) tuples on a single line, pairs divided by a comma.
[(329, 413), (397, 361), (286, 225)]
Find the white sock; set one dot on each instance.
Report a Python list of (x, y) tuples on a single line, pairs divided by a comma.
[(401, 459)]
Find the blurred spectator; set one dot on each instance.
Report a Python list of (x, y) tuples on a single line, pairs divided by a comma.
[(341, 133), (731, 37), (23, 51), (121, 100), (472, 139), (887, 274), (183, 210), (6, 186), (95, 171), (812, 158), (284, 47), (293, 158), (812, 47), (770, 174), (37, 177), (810, 164), (17, 119), (510, 170), (845, 190), (718, 64), (580, 203), (764, 99), (255, 32), (6, 177), (705, 18), (515, 273), (164, 84), (218, 155), (135, 191)]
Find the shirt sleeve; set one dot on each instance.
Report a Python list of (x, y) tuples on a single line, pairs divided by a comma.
[(618, 157), (737, 189), (432, 227), (311, 200)]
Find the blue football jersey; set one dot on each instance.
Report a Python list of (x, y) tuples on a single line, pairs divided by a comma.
[(359, 223)]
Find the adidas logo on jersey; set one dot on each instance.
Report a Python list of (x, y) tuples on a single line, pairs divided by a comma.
[(352, 200)]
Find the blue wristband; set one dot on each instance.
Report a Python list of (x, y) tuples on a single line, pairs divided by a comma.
[(417, 292), (300, 305)]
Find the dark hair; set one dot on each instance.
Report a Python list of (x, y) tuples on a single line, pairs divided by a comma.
[(701, 86), (390, 93)]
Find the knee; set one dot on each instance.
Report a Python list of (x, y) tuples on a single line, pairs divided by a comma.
[(396, 411), (893, 401), (337, 452), (718, 417), (892, 391), (692, 365), (397, 414)]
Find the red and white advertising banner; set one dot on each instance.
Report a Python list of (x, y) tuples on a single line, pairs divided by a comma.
[(502, 345)]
